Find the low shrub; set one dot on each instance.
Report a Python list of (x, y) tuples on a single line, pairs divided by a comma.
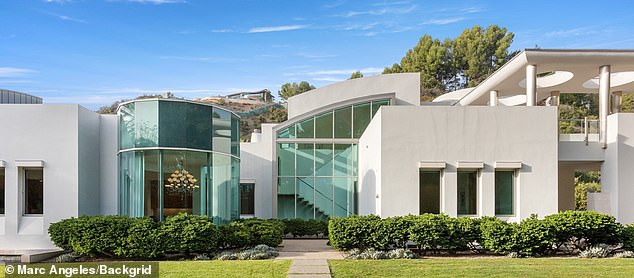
[(394, 231), (431, 231), (601, 251), (628, 237), (186, 233), (534, 237), (259, 252), (497, 235), (464, 234), (251, 232), (61, 233), (66, 258), (99, 235), (301, 227), (585, 228), (624, 255), (373, 254), (350, 232), (143, 240)]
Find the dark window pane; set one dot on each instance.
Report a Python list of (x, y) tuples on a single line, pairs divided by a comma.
[(504, 192), (173, 131), (198, 124), (361, 118), (343, 123), (323, 125), (305, 129), (34, 191), (377, 104), (247, 198), (2, 190), (467, 192), (235, 135), (429, 192), (151, 185)]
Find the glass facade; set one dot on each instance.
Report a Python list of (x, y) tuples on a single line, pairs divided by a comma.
[(316, 169), (504, 195), (12, 97), (177, 157)]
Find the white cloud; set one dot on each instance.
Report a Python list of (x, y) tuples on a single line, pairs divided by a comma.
[(581, 31), (276, 28), (17, 81), (315, 56), (14, 72), (388, 10), (471, 10), (65, 17), (222, 31), (444, 21)]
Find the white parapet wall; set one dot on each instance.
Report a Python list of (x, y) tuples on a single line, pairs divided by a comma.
[(256, 166), (399, 139), (617, 177)]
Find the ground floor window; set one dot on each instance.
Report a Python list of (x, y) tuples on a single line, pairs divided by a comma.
[(504, 192), (162, 183), (429, 194), (33, 191), (2, 190), (467, 192), (247, 198)]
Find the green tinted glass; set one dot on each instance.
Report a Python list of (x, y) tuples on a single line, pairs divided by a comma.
[(323, 125), (286, 159), (173, 129), (362, 115), (323, 198), (467, 192), (221, 130), (504, 192), (126, 126), (377, 104), (305, 160), (146, 128), (343, 123), (305, 201), (343, 160), (305, 129), (285, 198), (323, 160)]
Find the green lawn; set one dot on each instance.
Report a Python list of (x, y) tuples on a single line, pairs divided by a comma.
[(484, 267), (224, 269)]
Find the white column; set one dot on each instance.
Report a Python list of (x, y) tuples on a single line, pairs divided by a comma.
[(493, 98), (617, 101), (604, 103), (531, 85)]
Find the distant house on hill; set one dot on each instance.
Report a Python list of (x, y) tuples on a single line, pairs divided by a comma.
[(263, 95)]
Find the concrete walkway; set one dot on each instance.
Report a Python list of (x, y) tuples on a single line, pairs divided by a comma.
[(310, 257)]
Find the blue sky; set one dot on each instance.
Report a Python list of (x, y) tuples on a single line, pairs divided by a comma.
[(94, 52)]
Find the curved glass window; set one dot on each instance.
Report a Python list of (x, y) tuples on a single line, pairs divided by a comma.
[(318, 179), (193, 168)]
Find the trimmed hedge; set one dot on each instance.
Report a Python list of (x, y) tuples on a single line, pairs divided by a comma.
[(439, 232), (125, 237), (300, 227)]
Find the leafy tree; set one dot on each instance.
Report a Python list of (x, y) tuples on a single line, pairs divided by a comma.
[(479, 52), (292, 89), (356, 74), (628, 103), (456, 63)]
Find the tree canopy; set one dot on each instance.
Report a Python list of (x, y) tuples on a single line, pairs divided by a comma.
[(456, 63), (291, 89), (356, 74)]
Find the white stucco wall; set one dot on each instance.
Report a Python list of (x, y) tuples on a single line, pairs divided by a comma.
[(256, 164), (404, 86), (39, 132), (410, 135), (369, 183), (89, 164), (617, 177), (108, 148)]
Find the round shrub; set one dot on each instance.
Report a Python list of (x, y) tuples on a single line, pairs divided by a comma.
[(431, 231), (497, 235), (464, 233), (585, 228), (393, 231), (534, 237), (235, 235), (99, 235), (61, 233), (628, 237), (350, 232), (188, 233), (143, 240)]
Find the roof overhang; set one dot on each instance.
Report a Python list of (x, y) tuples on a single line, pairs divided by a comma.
[(572, 71)]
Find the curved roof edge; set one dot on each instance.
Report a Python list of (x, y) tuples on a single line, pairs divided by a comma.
[(404, 86), (3, 92), (176, 100)]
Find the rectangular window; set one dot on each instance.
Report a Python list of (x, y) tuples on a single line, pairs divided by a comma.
[(247, 198), (467, 192), (343, 123), (1, 190), (504, 192), (33, 191), (323, 126), (429, 194), (362, 114)]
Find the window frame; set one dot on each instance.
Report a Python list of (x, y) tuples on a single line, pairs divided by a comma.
[(247, 183), (514, 179), (478, 173), (24, 191), (441, 182), (4, 190)]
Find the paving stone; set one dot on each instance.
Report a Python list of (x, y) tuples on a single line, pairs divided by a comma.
[(309, 276), (309, 269), (309, 262)]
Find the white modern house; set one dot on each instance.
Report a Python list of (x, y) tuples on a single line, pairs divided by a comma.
[(361, 146)]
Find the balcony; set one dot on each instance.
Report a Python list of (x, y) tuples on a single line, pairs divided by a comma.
[(579, 130)]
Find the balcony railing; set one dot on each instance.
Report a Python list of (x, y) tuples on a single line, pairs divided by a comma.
[(583, 130)]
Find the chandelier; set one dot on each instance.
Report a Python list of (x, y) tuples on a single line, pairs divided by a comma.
[(181, 180)]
